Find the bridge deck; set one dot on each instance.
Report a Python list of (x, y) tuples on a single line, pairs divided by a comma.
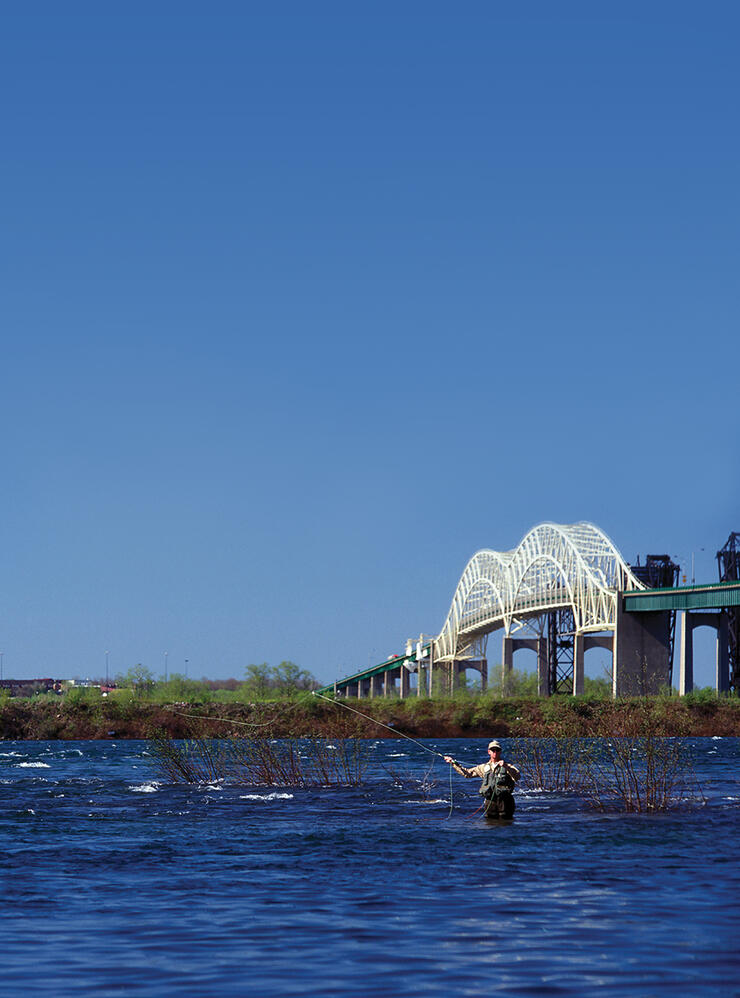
[(374, 670), (719, 596)]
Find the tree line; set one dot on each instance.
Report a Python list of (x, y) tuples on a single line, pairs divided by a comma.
[(260, 682)]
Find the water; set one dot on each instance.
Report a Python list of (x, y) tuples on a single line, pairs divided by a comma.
[(117, 884)]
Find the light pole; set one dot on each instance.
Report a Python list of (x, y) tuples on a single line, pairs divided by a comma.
[(106, 668), (693, 574), (186, 668), (1, 664), (165, 666)]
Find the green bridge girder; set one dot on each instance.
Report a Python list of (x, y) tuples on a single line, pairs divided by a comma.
[(719, 596), (375, 670)]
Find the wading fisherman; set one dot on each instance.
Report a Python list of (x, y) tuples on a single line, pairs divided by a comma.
[(498, 778)]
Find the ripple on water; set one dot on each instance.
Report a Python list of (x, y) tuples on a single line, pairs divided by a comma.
[(177, 890)]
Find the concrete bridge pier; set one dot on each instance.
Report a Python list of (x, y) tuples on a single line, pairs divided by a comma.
[(507, 659), (456, 667), (426, 679), (404, 685), (480, 665), (581, 644), (642, 644), (690, 621), (539, 645)]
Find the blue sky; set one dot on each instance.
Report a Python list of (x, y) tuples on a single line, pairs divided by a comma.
[(305, 304)]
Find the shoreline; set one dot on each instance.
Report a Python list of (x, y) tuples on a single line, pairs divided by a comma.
[(22, 720)]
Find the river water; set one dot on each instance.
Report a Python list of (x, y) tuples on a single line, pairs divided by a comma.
[(116, 883)]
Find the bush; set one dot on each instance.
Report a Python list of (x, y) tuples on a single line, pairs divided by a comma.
[(76, 695), (551, 763), (312, 762)]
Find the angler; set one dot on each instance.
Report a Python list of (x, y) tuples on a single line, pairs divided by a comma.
[(499, 779)]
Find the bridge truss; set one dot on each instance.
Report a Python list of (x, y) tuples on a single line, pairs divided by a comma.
[(728, 561), (558, 572)]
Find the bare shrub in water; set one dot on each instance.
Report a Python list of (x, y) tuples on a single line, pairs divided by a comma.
[(551, 763), (638, 768), (310, 762), (626, 762)]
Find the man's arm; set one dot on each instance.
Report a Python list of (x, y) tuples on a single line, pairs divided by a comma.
[(463, 770), (512, 771)]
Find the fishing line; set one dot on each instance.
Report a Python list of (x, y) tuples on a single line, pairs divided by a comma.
[(372, 719), (228, 720), (393, 730)]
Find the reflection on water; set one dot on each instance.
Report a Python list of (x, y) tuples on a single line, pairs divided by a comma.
[(115, 883)]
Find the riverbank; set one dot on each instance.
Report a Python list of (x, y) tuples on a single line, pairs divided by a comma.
[(308, 716)]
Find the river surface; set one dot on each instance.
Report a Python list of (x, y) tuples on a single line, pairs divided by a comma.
[(116, 883)]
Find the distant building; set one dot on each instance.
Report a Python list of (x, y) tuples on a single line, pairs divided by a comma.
[(30, 687)]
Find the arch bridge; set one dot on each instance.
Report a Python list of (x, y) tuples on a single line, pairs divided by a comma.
[(563, 585), (554, 567)]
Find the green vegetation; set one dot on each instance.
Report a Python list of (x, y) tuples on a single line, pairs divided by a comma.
[(277, 699), (261, 682)]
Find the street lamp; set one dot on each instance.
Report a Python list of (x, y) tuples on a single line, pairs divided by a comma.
[(186, 668), (693, 574), (106, 668), (165, 666), (1, 664)]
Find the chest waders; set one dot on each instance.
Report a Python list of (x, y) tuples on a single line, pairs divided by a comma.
[(496, 789)]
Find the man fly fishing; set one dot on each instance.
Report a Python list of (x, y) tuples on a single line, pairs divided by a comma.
[(498, 778)]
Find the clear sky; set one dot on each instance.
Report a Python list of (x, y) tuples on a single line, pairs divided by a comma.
[(303, 304)]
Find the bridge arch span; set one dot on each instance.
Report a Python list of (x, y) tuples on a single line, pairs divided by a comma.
[(554, 566)]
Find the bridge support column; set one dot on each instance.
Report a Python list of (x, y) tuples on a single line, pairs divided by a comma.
[(689, 621), (483, 675), (507, 663), (405, 683), (686, 659), (641, 646), (578, 653), (388, 684), (454, 677), (723, 653), (375, 686), (543, 668), (429, 679)]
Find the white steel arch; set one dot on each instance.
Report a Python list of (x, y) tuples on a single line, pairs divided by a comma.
[(553, 567)]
